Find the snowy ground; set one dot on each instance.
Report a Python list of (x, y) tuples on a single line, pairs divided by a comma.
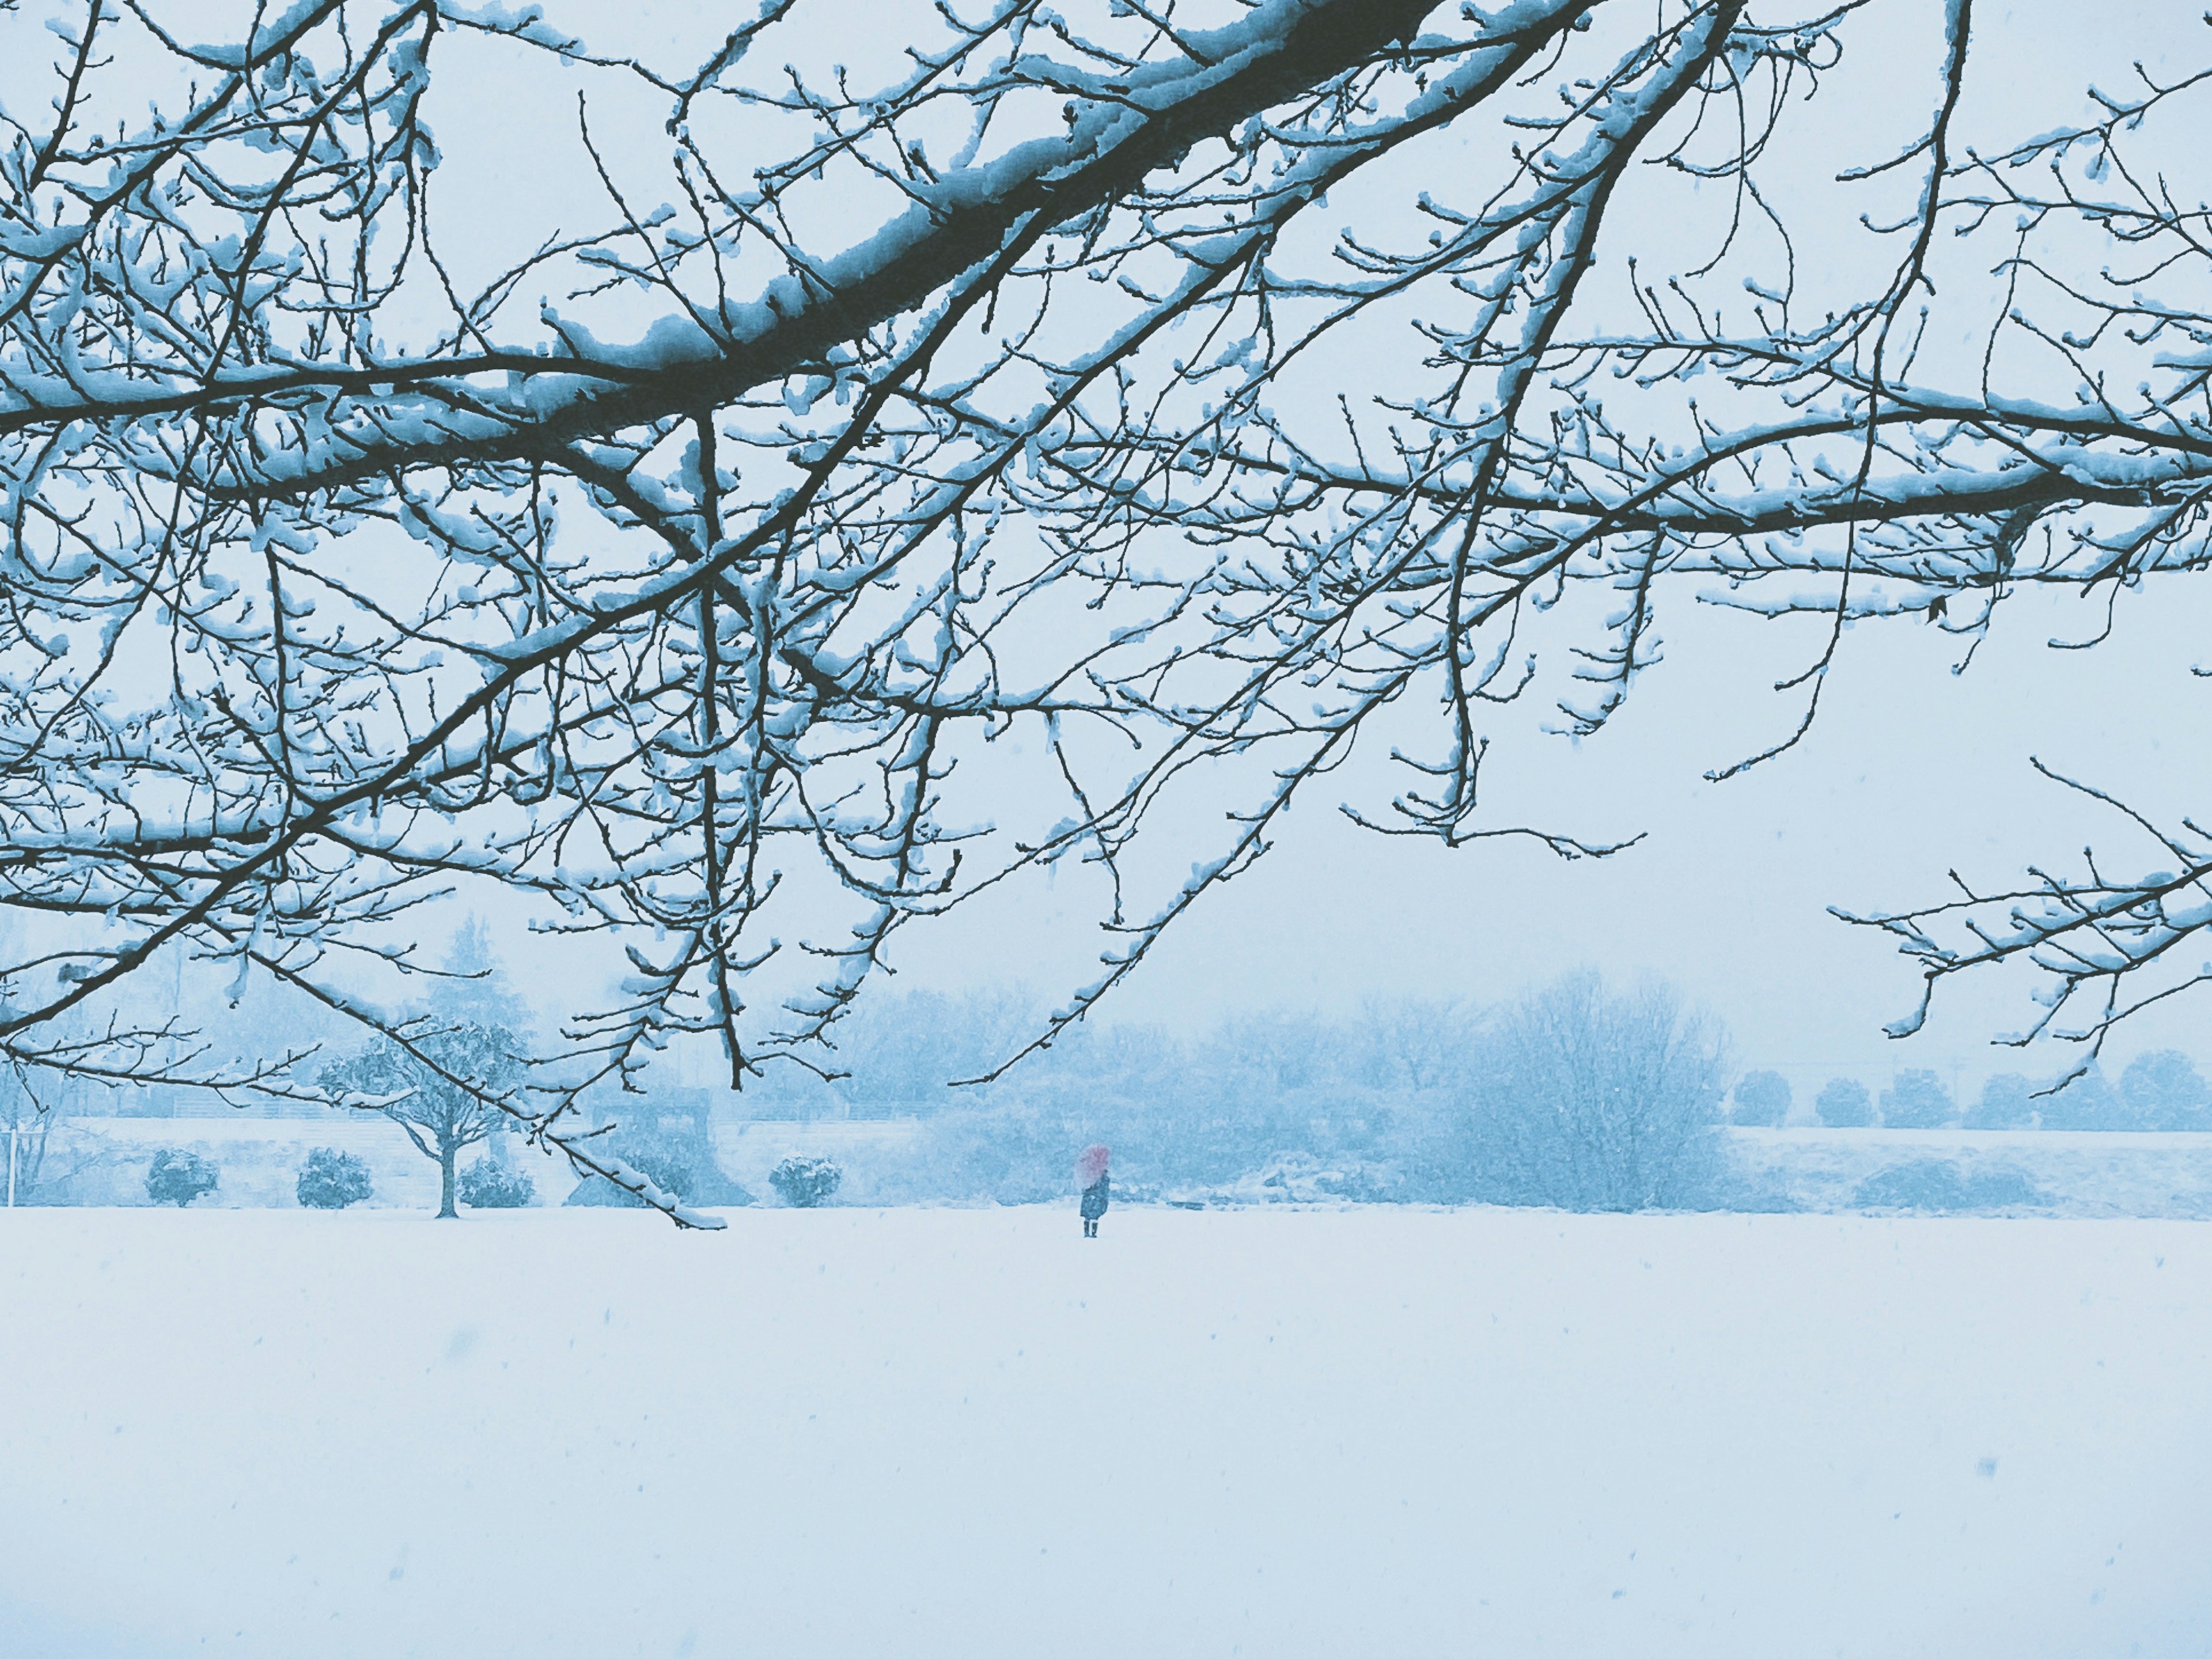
[(971, 1432)]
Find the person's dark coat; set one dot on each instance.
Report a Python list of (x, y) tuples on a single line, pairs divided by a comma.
[(1094, 1199)]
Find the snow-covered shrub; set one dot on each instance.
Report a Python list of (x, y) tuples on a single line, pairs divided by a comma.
[(485, 1185), (2005, 1189), (804, 1182), (178, 1176), (2089, 1102), (331, 1180), (1928, 1183), (1845, 1104), (2161, 1089), (1936, 1185)]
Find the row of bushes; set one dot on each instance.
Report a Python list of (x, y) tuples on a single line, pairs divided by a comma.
[(331, 1180)]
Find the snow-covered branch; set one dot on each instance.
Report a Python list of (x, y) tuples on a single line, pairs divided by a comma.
[(1191, 392)]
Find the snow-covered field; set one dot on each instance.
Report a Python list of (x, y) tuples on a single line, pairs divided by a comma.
[(971, 1432)]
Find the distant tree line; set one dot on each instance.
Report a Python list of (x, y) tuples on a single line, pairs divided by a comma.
[(2162, 1090), (1582, 1095)]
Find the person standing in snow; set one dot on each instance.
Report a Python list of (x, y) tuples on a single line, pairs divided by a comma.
[(1090, 1176)]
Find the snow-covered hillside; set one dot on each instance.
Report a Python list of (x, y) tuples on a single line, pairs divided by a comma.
[(2058, 1171), (971, 1432)]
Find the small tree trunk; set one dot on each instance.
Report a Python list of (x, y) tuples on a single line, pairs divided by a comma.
[(446, 1210)]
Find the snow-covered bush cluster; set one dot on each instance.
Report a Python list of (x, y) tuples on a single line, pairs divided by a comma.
[(177, 1175), (332, 1180), (1936, 1185), (805, 1182), (487, 1185)]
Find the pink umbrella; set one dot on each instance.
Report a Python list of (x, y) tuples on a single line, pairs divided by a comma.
[(1090, 1166)]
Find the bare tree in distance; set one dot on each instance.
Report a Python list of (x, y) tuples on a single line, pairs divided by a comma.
[(1188, 394), (1594, 1099)]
